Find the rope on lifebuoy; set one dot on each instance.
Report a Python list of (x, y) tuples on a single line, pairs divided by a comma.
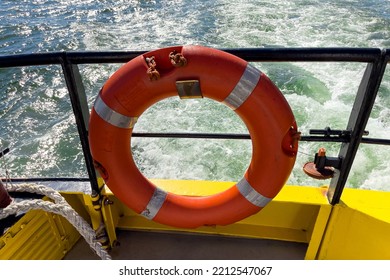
[(59, 206)]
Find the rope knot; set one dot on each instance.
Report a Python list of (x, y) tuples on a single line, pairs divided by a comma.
[(152, 72), (177, 59)]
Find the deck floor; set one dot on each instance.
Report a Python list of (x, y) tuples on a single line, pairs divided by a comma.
[(138, 245)]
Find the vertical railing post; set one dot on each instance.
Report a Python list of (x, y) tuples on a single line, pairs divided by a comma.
[(81, 112), (358, 119)]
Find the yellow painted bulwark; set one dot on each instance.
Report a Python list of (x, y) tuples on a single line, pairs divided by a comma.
[(297, 214), (38, 236), (359, 227)]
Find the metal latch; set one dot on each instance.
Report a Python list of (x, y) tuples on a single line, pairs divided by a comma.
[(327, 132)]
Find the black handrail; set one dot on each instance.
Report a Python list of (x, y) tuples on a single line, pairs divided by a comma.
[(376, 60), (249, 54), (245, 136)]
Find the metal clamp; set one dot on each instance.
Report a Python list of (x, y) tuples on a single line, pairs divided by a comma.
[(189, 89)]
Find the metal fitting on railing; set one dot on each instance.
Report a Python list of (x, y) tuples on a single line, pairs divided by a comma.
[(322, 167)]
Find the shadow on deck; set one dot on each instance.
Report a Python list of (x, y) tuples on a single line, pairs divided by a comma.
[(171, 246)]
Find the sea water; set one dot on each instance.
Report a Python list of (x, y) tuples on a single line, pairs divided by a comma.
[(35, 113)]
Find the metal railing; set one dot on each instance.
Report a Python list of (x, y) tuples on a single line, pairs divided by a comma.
[(350, 138)]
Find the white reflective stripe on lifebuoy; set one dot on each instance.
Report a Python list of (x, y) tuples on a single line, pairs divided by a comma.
[(251, 194), (244, 87), (112, 117), (155, 203)]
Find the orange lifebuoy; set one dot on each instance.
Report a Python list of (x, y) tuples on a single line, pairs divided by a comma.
[(222, 77)]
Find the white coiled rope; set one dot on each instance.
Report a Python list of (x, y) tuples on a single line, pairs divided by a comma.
[(60, 207)]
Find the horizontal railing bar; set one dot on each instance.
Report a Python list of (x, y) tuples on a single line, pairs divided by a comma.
[(234, 136), (249, 54), (375, 141), (102, 57), (34, 59), (46, 179), (308, 54), (226, 136)]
